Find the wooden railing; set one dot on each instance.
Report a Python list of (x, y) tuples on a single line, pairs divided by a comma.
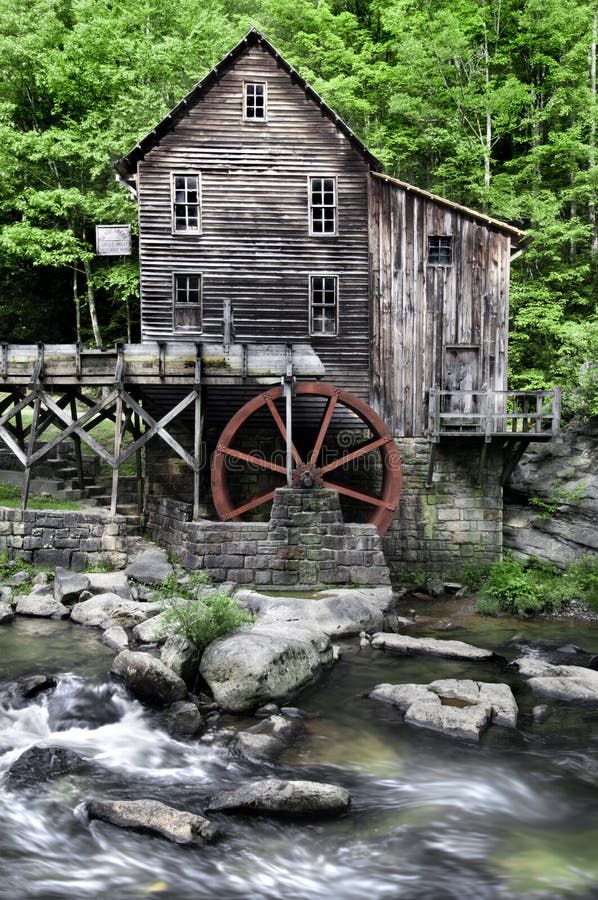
[(532, 415)]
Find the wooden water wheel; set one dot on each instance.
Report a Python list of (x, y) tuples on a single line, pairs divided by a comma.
[(337, 441)]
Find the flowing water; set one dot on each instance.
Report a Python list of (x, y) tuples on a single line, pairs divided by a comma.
[(513, 816)]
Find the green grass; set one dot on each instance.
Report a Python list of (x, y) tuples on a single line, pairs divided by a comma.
[(10, 495)]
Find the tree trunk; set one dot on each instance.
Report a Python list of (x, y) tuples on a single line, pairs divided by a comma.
[(91, 300), (592, 148)]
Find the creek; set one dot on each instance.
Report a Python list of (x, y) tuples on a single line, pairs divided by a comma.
[(431, 817)]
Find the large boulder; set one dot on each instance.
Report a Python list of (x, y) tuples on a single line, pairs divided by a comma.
[(405, 644), (43, 764), (150, 567), (42, 603), (182, 657), (175, 825), (105, 610), (262, 663), (338, 613), (431, 705), (284, 798), (148, 678), (7, 613)]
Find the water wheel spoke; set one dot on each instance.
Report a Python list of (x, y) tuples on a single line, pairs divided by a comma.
[(283, 430), (257, 461), (251, 504), (324, 424), (357, 495), (362, 450)]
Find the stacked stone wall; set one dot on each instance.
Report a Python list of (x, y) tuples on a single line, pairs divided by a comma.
[(455, 520), (75, 540), (304, 545)]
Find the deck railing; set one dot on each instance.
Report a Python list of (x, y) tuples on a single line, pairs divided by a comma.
[(510, 414)]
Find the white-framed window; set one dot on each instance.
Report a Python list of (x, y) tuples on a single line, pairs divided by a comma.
[(322, 204), (255, 96), (323, 304), (186, 203), (440, 250), (187, 297)]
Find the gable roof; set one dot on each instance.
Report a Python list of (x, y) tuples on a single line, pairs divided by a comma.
[(127, 164)]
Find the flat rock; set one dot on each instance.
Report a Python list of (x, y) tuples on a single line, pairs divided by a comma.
[(148, 678), (263, 663), (338, 613), (284, 798), (403, 643), (482, 703), (562, 682), (151, 567), (69, 585), (150, 815), (109, 583), (41, 602), (105, 610)]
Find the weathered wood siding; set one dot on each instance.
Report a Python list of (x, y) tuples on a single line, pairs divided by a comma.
[(433, 326), (255, 250)]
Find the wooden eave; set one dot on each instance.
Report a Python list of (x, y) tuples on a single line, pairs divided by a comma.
[(126, 166), (516, 234)]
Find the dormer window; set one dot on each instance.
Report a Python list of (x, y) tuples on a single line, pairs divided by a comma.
[(186, 218), (254, 104), (322, 205), (440, 250)]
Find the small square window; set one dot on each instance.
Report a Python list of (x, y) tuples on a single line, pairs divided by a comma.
[(254, 107), (322, 205), (187, 290), (186, 217), (440, 250), (323, 304)]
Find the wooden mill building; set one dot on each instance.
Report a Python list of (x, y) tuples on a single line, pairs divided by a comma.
[(274, 252)]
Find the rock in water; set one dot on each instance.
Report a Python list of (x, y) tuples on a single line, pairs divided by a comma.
[(262, 663), (149, 679), (402, 643), (41, 602), (151, 815), (284, 798), (44, 763)]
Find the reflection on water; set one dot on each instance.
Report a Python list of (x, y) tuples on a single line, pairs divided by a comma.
[(514, 816)]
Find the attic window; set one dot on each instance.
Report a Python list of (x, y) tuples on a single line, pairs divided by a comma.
[(323, 304), (254, 107), (322, 205), (185, 204), (440, 250)]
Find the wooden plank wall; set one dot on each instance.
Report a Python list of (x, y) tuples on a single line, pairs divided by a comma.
[(255, 249), (433, 326)]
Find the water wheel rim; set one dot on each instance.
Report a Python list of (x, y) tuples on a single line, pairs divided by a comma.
[(385, 503)]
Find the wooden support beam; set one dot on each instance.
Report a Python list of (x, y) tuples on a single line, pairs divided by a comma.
[(77, 446), (512, 458), (30, 451), (158, 429), (117, 445), (197, 432), (77, 426)]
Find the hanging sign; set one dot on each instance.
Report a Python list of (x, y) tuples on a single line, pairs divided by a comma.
[(113, 240)]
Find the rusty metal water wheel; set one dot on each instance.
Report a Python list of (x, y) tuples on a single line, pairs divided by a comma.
[(312, 464)]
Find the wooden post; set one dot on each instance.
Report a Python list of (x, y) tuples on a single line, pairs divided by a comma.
[(77, 445), (138, 464), (196, 453), (30, 451), (117, 443)]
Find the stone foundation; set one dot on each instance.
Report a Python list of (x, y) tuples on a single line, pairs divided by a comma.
[(75, 540), (454, 522), (304, 545)]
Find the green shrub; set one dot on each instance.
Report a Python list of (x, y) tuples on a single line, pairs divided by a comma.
[(581, 580), (201, 620), (509, 588)]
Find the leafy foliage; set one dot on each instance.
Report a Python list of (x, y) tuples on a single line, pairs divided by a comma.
[(534, 588), (202, 619)]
